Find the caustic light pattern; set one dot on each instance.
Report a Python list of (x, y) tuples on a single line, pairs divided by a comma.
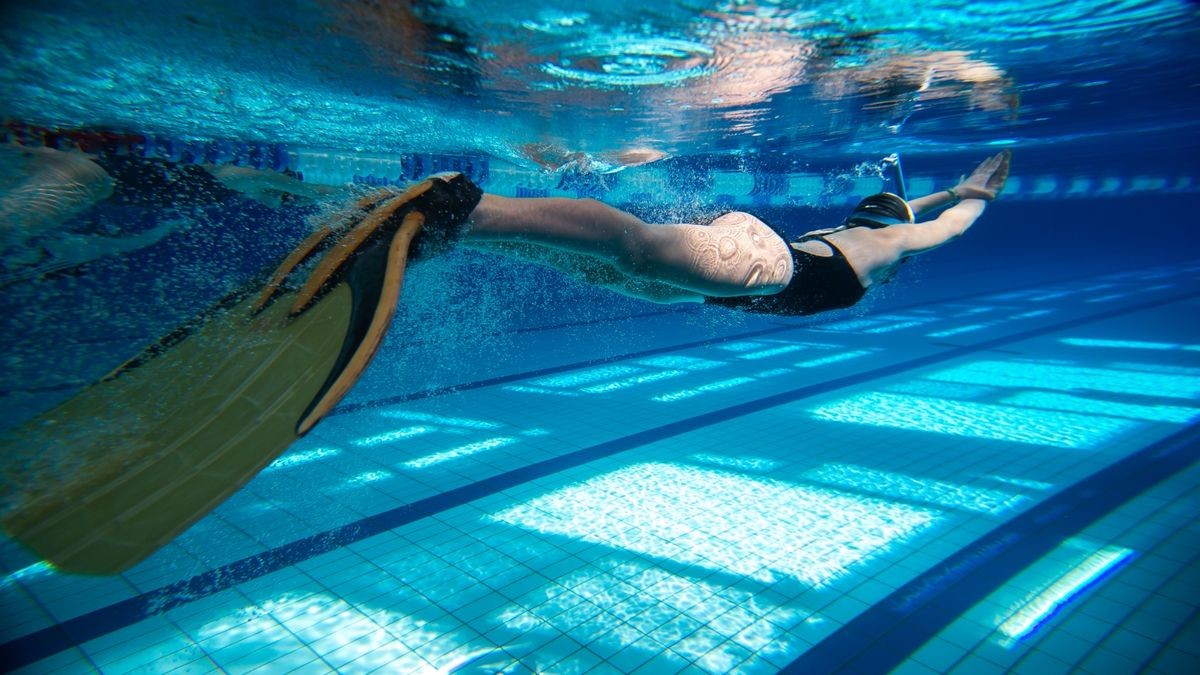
[(974, 420), (1060, 377), (900, 486), (359, 638), (638, 607), (766, 530)]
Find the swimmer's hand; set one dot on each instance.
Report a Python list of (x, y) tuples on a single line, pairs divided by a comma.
[(987, 180)]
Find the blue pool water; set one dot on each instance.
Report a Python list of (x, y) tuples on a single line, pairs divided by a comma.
[(987, 465)]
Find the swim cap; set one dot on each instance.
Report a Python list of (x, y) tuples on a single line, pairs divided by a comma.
[(881, 210)]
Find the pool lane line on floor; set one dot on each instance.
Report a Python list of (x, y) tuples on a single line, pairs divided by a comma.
[(890, 630), (797, 323), (97, 623), (552, 370)]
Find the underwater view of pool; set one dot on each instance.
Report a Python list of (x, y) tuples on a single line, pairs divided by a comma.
[(245, 426)]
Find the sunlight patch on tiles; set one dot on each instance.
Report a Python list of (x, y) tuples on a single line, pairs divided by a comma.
[(741, 346), (636, 602), (1038, 607), (851, 325), (540, 390), (298, 458), (974, 420), (583, 377), (1043, 375), (958, 330), (703, 389), (1150, 413), (675, 362), (1161, 368), (748, 463), (1032, 313), (764, 529), (460, 451), (773, 351), (324, 624), (1021, 482), (832, 358), (369, 477), (391, 436), (1108, 298), (1010, 295), (1120, 344), (415, 416), (901, 486), (633, 381), (899, 325)]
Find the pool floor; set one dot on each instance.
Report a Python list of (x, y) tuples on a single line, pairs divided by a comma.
[(1003, 481)]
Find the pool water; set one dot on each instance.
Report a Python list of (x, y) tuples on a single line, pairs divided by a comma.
[(989, 464)]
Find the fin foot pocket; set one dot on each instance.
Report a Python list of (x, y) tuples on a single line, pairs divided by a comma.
[(110, 476)]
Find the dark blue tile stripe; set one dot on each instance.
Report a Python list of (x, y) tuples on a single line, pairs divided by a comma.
[(46, 642), (553, 370), (889, 631)]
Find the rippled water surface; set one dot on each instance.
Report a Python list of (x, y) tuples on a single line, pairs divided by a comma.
[(537, 81)]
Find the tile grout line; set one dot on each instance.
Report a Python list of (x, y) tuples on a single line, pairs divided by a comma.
[(40, 644), (886, 633)]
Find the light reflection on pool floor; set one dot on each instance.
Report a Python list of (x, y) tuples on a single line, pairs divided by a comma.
[(735, 546)]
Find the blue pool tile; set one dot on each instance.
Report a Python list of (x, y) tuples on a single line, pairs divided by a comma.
[(296, 661), (1041, 663), (938, 654), (1174, 660), (632, 657), (1065, 646), (913, 667), (1105, 660), (663, 663), (67, 661), (976, 665)]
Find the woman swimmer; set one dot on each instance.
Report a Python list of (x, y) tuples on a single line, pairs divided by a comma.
[(737, 261)]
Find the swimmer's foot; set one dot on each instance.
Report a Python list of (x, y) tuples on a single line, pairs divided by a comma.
[(114, 473), (370, 254), (435, 210)]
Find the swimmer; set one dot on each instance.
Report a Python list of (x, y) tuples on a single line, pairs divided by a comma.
[(199, 412), (270, 188), (737, 261), (557, 159), (42, 189)]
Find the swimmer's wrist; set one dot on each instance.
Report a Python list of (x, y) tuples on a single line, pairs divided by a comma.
[(953, 195)]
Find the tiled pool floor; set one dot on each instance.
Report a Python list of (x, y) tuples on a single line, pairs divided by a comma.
[(999, 482)]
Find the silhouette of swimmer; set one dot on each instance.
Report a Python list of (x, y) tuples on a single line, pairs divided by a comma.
[(42, 189)]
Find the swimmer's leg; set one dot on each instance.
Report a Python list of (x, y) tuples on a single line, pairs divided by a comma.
[(593, 271), (736, 255)]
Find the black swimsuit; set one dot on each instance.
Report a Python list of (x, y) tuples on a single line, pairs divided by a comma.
[(818, 284)]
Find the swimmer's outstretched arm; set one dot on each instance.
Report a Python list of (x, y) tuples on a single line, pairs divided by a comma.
[(982, 186), (985, 182), (731, 257)]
